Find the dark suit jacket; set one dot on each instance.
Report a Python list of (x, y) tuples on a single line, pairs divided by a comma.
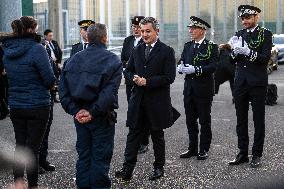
[(128, 46), (160, 71), (200, 83), (253, 68), (76, 48), (57, 51)]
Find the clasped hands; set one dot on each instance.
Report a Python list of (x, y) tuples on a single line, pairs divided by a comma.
[(83, 116), (186, 69), (236, 44), (140, 81)]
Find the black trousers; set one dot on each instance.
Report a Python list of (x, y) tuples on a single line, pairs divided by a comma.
[(256, 95), (43, 150), (146, 132), (134, 139), (198, 108), (29, 127)]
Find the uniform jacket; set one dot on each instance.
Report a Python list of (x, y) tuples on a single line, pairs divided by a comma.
[(128, 46), (29, 72), (76, 48), (253, 68), (160, 71), (57, 51), (200, 83), (91, 80)]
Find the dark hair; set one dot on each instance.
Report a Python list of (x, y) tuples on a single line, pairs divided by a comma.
[(22, 26), (47, 31), (96, 32), (150, 20)]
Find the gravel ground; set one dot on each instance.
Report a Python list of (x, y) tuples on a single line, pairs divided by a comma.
[(179, 173)]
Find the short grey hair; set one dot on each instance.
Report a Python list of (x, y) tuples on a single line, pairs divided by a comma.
[(152, 21), (96, 32)]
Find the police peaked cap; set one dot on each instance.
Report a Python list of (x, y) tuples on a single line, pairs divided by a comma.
[(136, 19), (85, 23), (198, 22), (246, 10)]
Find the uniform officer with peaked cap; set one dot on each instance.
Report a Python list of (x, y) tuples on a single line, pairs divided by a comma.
[(251, 53), (198, 63), (84, 24)]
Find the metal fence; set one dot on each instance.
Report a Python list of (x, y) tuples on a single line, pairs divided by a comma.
[(173, 16)]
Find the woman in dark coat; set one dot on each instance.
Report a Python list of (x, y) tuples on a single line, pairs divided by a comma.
[(30, 78)]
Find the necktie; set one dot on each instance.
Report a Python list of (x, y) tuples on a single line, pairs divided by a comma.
[(147, 51), (85, 45)]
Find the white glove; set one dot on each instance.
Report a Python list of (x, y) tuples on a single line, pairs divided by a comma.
[(179, 68), (242, 50), (188, 69)]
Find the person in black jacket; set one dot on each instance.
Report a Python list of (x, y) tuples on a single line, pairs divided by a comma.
[(198, 62), (129, 44), (152, 68), (83, 44), (251, 53), (225, 69)]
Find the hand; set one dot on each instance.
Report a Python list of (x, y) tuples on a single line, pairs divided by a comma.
[(188, 69), (83, 116), (235, 41), (242, 50), (179, 68), (140, 81)]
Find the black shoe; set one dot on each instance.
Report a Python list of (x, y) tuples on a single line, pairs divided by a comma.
[(125, 173), (47, 166), (188, 154), (143, 149), (202, 155), (255, 162), (241, 158), (157, 173)]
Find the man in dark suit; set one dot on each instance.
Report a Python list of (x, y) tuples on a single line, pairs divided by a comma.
[(152, 68), (129, 44), (198, 62), (251, 52), (55, 54), (83, 44)]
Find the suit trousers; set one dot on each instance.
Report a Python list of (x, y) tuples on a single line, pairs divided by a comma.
[(29, 127), (135, 136), (198, 108), (256, 95), (95, 142)]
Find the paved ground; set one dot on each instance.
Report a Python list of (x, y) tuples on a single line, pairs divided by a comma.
[(179, 173)]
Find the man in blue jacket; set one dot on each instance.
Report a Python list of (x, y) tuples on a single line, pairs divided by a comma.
[(88, 91)]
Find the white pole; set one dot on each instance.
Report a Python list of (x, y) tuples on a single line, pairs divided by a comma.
[(102, 11), (279, 17), (212, 19), (180, 24), (109, 21), (147, 8), (83, 9), (153, 8), (127, 17), (139, 7), (235, 17)]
